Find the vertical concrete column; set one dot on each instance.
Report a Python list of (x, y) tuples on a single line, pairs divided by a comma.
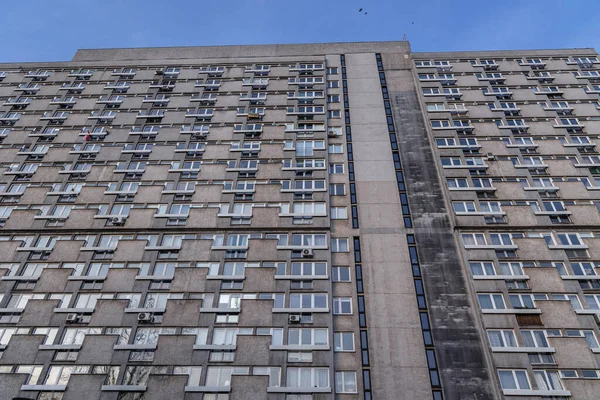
[(398, 366)]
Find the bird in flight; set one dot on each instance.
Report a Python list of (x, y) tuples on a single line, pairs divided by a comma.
[(360, 9)]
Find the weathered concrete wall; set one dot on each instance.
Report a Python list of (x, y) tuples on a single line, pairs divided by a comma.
[(463, 362)]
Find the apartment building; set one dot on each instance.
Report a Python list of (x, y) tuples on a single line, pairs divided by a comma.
[(321, 221)]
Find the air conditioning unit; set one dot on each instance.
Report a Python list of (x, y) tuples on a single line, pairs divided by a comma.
[(160, 72), (491, 156), (144, 317), (294, 319), (332, 133), (72, 318), (120, 220), (307, 253)]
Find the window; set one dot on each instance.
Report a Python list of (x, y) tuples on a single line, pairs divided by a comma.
[(339, 213), (308, 300), (333, 84), (307, 377), (58, 375), (73, 336), (503, 239), (332, 71), (345, 382), (340, 274), (336, 149), (306, 147), (333, 98), (511, 268), (482, 268), (450, 161), (149, 336), (337, 189), (336, 168), (343, 341), (89, 300), (473, 239), (440, 124), (514, 379), (342, 305), (228, 336), (308, 337), (534, 338), (520, 301), (569, 239), (463, 206), (491, 301), (547, 380), (310, 240), (308, 269), (193, 373), (457, 182), (502, 338), (339, 245), (200, 333)]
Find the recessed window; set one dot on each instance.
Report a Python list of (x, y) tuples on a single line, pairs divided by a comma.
[(340, 274)]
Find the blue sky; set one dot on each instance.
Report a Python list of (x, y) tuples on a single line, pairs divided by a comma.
[(52, 30)]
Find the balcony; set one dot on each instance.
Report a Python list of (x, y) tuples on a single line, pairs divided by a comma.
[(28, 89), (54, 117), (306, 68), (72, 88), (254, 98), (494, 80), (47, 133), (190, 151), (200, 114), (317, 110), (40, 152), (17, 102), (301, 96), (195, 132), (129, 150), (204, 98), (165, 86), (213, 71), (259, 70), (499, 94), (129, 73), (156, 101), (151, 114), (82, 74), (64, 101), (38, 75), (548, 91), (304, 128), (534, 64), (305, 82), (256, 83), (541, 77), (101, 117), (209, 85), (110, 101), (515, 128), (118, 87), (560, 109), (489, 66), (9, 118)]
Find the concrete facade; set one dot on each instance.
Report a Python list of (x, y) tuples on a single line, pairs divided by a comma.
[(321, 221)]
